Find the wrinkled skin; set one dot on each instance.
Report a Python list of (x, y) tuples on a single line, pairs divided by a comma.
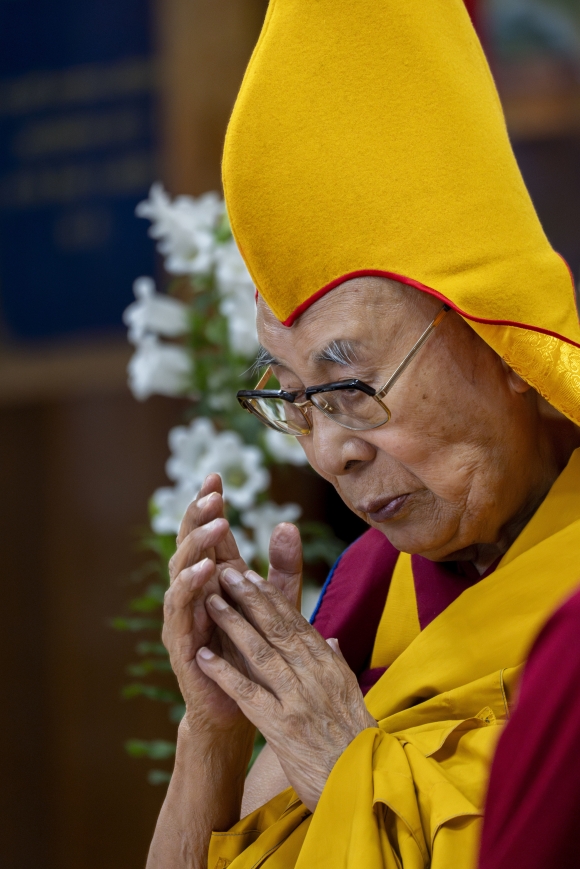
[(470, 451)]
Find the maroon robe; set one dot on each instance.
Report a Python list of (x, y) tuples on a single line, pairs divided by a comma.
[(353, 598), (532, 814)]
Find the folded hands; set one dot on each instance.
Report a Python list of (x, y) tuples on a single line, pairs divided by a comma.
[(245, 657)]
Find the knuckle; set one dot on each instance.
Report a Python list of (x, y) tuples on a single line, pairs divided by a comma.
[(247, 691), (276, 628), (300, 626), (295, 721), (263, 655), (168, 602)]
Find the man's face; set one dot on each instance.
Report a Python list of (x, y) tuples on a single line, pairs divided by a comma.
[(457, 461)]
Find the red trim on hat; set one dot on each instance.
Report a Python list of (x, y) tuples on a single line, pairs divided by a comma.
[(418, 286)]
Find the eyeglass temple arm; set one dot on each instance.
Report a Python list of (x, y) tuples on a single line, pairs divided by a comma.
[(264, 378), (397, 373)]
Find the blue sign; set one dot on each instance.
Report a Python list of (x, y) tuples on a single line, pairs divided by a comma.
[(76, 155)]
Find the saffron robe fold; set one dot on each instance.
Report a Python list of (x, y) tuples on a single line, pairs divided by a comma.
[(409, 793)]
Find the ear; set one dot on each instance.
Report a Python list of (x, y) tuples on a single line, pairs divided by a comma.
[(514, 380)]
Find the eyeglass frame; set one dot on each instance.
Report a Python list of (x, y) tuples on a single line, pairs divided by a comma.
[(243, 395)]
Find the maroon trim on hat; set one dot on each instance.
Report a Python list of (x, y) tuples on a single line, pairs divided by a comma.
[(393, 276)]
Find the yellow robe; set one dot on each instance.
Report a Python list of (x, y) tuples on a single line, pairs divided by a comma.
[(410, 793)]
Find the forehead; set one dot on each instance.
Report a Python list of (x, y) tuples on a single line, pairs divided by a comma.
[(364, 311)]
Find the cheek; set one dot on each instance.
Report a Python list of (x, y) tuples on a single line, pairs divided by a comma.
[(307, 444), (442, 454)]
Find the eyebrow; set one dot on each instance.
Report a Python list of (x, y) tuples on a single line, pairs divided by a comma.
[(263, 359), (338, 352)]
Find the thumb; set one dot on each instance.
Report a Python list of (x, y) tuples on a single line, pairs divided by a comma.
[(285, 570)]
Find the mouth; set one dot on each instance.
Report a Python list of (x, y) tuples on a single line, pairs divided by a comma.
[(382, 510)]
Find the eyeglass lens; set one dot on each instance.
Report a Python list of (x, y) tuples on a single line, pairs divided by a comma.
[(350, 407), (281, 415)]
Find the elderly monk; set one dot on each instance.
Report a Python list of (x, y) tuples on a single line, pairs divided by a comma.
[(420, 338)]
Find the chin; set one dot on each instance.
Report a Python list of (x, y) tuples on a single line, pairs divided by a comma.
[(414, 541)]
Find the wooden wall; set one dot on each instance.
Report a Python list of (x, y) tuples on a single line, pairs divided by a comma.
[(76, 471)]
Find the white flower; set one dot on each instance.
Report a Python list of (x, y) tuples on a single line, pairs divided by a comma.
[(170, 505), (246, 546), (284, 448), (240, 311), (154, 312), (185, 229), (237, 304), (189, 447), (231, 272), (157, 368), (263, 520), (241, 468)]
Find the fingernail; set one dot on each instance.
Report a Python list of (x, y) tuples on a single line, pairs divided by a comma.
[(218, 602), (199, 566), (214, 522), (205, 653), (207, 498), (253, 576), (232, 577)]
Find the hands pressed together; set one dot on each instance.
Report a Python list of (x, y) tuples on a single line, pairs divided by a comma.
[(245, 657)]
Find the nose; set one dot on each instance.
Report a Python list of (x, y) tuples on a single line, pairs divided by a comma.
[(336, 450)]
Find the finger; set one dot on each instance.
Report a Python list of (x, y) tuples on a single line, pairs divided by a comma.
[(268, 668), (333, 643), (228, 554), (202, 511), (210, 493), (274, 617), (285, 570), (177, 613), (256, 703), (197, 545)]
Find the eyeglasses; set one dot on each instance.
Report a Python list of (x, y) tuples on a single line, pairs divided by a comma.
[(352, 404)]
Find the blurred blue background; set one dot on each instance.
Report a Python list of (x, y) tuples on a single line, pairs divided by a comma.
[(77, 152)]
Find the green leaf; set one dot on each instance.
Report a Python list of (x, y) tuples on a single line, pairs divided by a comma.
[(158, 777), (155, 749), (319, 543), (177, 712), (223, 232), (162, 545), (150, 665), (149, 602), (146, 648), (152, 692), (216, 332), (135, 624), (259, 743)]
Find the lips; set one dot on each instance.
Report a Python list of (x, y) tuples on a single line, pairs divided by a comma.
[(381, 511)]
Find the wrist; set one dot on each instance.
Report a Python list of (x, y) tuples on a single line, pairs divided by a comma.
[(219, 755), (212, 741)]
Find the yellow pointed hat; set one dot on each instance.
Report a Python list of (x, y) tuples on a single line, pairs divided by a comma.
[(368, 139)]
